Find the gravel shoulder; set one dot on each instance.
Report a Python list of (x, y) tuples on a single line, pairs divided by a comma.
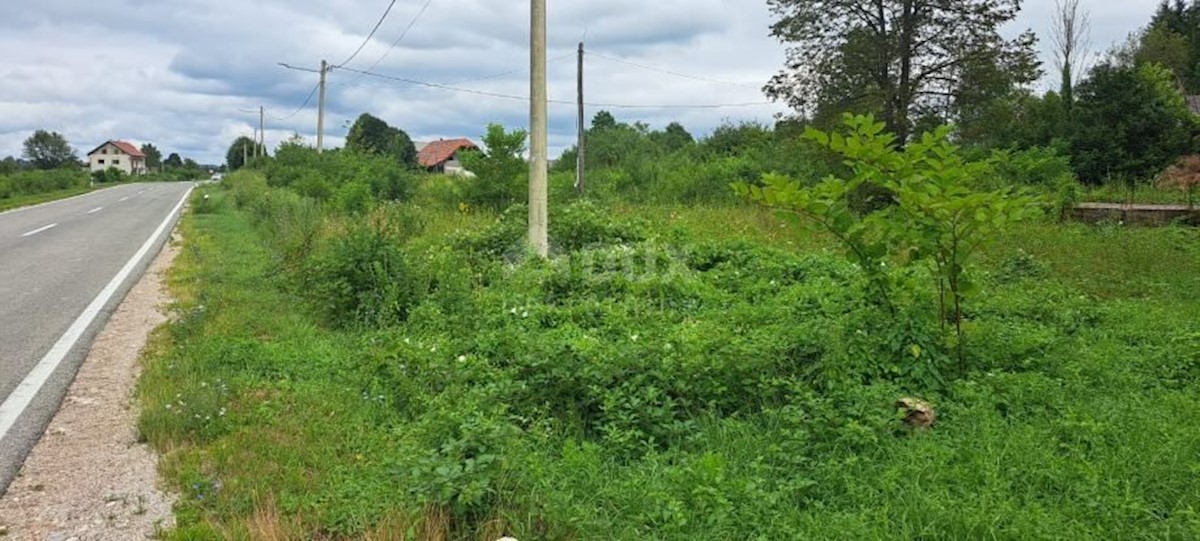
[(89, 478)]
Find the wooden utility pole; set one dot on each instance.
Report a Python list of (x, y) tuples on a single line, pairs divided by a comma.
[(538, 149), (580, 160), (262, 134), (321, 109)]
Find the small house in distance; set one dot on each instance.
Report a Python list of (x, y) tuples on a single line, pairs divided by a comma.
[(443, 156), (118, 155)]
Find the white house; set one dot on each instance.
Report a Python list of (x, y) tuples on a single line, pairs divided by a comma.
[(119, 155)]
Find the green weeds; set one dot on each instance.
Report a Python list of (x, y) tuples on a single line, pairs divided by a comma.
[(407, 372)]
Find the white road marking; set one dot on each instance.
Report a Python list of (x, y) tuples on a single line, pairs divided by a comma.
[(56, 201), (95, 210), (124, 199), (14, 406), (39, 230)]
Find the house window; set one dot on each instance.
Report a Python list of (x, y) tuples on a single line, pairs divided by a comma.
[(101, 161), (116, 161)]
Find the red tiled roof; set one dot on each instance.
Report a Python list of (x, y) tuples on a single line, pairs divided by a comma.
[(124, 146), (129, 149), (439, 152)]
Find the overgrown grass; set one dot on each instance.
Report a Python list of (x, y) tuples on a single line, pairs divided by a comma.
[(36, 199), (23, 188), (673, 373), (1116, 192)]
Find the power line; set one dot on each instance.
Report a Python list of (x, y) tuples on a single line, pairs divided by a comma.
[(371, 35), (403, 35), (508, 72), (559, 102), (301, 107), (669, 72)]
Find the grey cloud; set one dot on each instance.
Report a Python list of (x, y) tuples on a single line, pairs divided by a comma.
[(177, 73)]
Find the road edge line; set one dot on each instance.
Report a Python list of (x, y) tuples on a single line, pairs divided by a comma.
[(14, 406)]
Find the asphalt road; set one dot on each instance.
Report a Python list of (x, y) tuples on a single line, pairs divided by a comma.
[(64, 267)]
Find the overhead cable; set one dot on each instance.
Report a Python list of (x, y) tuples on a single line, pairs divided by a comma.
[(559, 102), (371, 35)]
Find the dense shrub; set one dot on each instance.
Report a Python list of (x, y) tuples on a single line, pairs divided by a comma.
[(1037, 166), (22, 183), (322, 175), (111, 175), (360, 277), (631, 162)]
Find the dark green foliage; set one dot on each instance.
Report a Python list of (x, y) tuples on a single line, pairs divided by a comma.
[(360, 278), (1173, 40), (326, 175), (49, 150), (631, 162), (9, 165), (501, 173), (1035, 167), (25, 183), (901, 60), (111, 175), (1130, 122), (154, 158), (371, 135), (673, 138), (242, 150)]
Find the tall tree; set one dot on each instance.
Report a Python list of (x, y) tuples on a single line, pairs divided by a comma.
[(672, 138), (1130, 122), (904, 58), (243, 147), (1178, 23), (174, 161), (153, 156), (1071, 35), (373, 135), (1161, 45), (49, 150), (603, 121)]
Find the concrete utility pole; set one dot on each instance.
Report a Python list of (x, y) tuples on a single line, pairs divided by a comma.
[(580, 160), (538, 167), (262, 133), (245, 155), (321, 109)]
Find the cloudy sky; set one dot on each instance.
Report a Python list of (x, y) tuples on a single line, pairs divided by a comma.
[(189, 75)]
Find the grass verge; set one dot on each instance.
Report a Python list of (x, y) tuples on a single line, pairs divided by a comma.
[(37, 199)]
